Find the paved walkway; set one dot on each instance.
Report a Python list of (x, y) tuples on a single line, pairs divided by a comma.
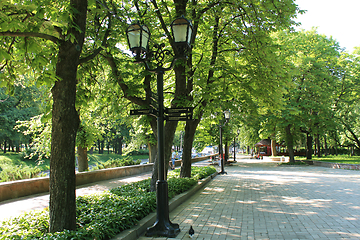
[(255, 200), (260, 200)]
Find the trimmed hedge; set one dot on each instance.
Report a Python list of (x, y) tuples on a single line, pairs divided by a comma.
[(102, 216)]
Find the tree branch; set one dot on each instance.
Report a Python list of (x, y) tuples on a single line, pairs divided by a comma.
[(31, 34), (110, 59)]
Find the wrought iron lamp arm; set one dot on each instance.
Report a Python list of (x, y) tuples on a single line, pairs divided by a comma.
[(159, 56)]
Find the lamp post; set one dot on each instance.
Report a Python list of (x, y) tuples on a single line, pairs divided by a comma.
[(227, 117), (138, 36)]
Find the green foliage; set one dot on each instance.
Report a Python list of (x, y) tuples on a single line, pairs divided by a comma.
[(197, 173), (18, 173), (39, 128), (138, 152), (15, 169), (20, 105), (103, 215), (118, 162), (30, 225)]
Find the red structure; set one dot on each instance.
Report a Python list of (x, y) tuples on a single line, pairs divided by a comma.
[(263, 148)]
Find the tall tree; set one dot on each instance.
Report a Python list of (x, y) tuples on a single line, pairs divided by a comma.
[(48, 37), (311, 61)]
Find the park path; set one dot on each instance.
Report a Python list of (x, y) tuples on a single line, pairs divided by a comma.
[(261, 200)]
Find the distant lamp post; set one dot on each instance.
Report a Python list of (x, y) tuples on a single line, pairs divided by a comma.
[(222, 162), (138, 36)]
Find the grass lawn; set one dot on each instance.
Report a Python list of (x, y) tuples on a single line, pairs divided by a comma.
[(11, 159), (336, 159)]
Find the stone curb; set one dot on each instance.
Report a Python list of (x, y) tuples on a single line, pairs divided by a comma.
[(149, 220), (337, 165)]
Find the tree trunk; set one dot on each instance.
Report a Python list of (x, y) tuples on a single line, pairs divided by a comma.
[(83, 164), (326, 150), (120, 146), (65, 122), (152, 152), (190, 129), (273, 147), (317, 140), (99, 148), (309, 143), (290, 143)]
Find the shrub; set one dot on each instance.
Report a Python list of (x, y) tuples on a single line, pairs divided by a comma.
[(18, 173), (99, 216), (138, 152), (32, 155), (117, 162)]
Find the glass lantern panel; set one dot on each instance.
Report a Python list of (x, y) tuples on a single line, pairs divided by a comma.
[(145, 37), (227, 114), (189, 35), (134, 36), (179, 32)]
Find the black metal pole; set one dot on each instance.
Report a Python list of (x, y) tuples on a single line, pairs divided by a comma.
[(234, 150), (162, 227)]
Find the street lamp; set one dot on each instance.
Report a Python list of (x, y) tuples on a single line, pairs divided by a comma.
[(138, 36), (227, 117)]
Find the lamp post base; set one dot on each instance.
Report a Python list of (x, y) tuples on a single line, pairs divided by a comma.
[(162, 227)]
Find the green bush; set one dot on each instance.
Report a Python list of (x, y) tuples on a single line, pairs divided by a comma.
[(138, 152), (100, 216), (18, 173), (31, 155), (117, 162)]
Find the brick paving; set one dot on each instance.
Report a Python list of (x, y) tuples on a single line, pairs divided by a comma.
[(260, 200)]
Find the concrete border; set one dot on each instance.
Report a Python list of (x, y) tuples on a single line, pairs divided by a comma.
[(148, 221), (21, 188), (336, 165)]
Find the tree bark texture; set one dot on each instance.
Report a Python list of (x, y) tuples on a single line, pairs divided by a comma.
[(289, 143), (82, 159), (152, 152), (273, 147), (190, 129), (318, 148), (65, 122)]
